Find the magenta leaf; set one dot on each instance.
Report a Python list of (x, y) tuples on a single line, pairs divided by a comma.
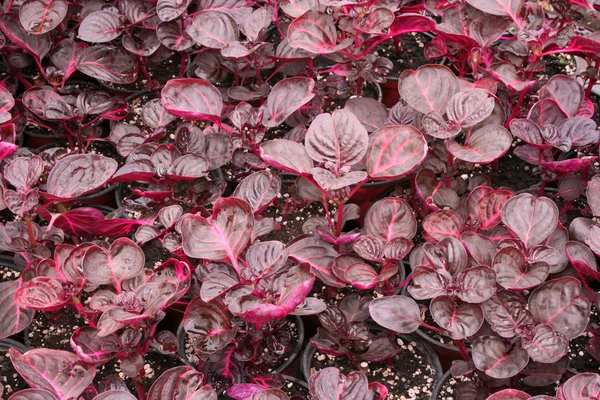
[(531, 220), (470, 107), (47, 104), (39, 16), (483, 146), (79, 174), (394, 151), (155, 116), (123, 260), (459, 319), (507, 73), (331, 384), (213, 29), (354, 271), (477, 284), (593, 194), (173, 35), (181, 383), (546, 345), (57, 371), (41, 293), (398, 313), (492, 356), (287, 156), (580, 130), (23, 172), (286, 97), (223, 235), (115, 395), (210, 324), (506, 312), (559, 303), (371, 113), (33, 394), (13, 318), (194, 99), (510, 394), (528, 131), (318, 254), (7, 149), (429, 88), (315, 32), (36, 45), (443, 223), (90, 347), (515, 272), (168, 10), (510, 8), (487, 205), (338, 139), (565, 91), (389, 219), (292, 286), (108, 63), (101, 27), (581, 386), (258, 189)]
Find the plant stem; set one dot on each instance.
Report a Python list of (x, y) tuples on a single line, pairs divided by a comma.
[(463, 350), (30, 233), (139, 388)]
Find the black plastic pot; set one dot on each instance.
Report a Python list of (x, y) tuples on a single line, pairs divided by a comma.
[(181, 335), (8, 261), (435, 395), (434, 361)]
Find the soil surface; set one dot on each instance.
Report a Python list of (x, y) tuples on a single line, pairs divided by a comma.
[(8, 274), (410, 377), (53, 330), (409, 54), (10, 380), (160, 71), (581, 360), (296, 389)]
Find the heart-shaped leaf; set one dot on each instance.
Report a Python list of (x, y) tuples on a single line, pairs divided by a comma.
[(566, 91), (483, 146), (477, 284), (41, 293), (223, 235), (429, 88), (338, 139), (394, 151), (531, 220), (23, 172), (470, 107), (528, 131), (515, 272), (390, 218), (194, 99), (57, 371), (581, 386), (559, 303), (173, 35), (354, 271), (492, 356), (123, 260), (398, 313), (461, 320)]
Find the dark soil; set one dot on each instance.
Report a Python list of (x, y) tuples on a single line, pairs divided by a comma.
[(10, 380), (155, 364), (410, 53), (296, 389), (8, 274), (511, 172), (411, 376), (32, 129), (452, 386), (160, 71), (581, 360), (53, 330), (369, 90), (155, 254)]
